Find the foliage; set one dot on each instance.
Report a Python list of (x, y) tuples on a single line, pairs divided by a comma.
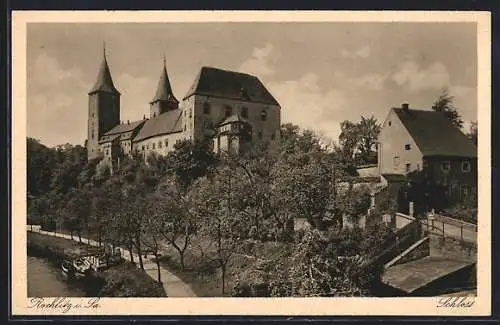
[(320, 267), (445, 105), (357, 141)]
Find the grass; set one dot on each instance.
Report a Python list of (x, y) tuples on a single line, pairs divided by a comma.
[(205, 278)]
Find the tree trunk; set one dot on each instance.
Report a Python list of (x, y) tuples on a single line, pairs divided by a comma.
[(130, 250), (223, 269), (139, 251), (80, 237), (181, 255), (158, 266)]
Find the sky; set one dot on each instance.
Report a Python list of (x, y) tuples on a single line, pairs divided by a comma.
[(321, 73)]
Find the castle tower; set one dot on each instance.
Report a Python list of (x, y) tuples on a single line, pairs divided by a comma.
[(164, 99), (104, 108)]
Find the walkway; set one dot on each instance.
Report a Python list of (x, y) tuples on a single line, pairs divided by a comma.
[(173, 285)]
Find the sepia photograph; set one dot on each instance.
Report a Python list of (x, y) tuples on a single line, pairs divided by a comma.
[(217, 158)]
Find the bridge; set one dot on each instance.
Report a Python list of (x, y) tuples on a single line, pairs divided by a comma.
[(434, 256)]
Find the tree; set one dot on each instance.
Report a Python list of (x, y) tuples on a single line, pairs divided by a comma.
[(320, 267), (444, 104), (151, 227), (176, 212), (348, 139), (473, 132), (369, 130), (190, 161), (216, 207), (305, 187)]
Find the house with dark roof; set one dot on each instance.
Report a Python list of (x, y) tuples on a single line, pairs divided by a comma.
[(425, 141), (232, 109)]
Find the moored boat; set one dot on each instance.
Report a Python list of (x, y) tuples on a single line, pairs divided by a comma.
[(67, 269)]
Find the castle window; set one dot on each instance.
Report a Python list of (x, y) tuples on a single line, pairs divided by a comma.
[(107, 152), (154, 145), (190, 113), (228, 111), (147, 146), (184, 127), (159, 144), (390, 123), (142, 148), (466, 166), (206, 108), (154, 115), (244, 112), (445, 166), (407, 146), (166, 143), (263, 115)]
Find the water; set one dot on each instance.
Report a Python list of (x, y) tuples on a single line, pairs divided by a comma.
[(46, 280)]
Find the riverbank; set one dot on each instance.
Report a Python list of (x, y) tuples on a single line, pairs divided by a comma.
[(123, 280)]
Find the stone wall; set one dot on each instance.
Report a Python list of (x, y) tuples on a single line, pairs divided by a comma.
[(452, 248)]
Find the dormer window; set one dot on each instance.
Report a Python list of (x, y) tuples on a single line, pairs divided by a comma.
[(263, 115), (445, 166), (244, 112), (466, 166), (206, 108)]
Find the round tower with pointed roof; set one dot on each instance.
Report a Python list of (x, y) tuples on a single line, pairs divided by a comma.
[(164, 99), (104, 108)]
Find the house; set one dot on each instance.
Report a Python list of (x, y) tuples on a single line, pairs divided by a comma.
[(424, 142), (231, 109)]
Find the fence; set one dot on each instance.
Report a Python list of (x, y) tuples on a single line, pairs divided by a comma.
[(449, 227)]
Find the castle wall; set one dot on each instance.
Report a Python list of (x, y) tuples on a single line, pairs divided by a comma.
[(198, 122), (161, 144)]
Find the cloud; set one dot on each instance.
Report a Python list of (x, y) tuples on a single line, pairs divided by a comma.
[(258, 64), (306, 104), (414, 78), (370, 81), (56, 102), (363, 53), (137, 92)]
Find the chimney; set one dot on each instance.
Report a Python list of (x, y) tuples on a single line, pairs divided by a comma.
[(405, 106)]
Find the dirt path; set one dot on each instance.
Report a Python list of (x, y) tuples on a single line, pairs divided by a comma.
[(173, 285)]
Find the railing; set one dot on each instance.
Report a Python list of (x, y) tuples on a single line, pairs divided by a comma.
[(449, 227)]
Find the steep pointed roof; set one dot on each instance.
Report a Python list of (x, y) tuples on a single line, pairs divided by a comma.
[(164, 90), (104, 81)]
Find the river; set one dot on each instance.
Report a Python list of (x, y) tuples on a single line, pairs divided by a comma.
[(46, 280)]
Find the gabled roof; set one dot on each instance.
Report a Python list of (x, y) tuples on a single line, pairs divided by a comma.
[(125, 127), (109, 138), (166, 123), (104, 82), (164, 89), (230, 84), (434, 134)]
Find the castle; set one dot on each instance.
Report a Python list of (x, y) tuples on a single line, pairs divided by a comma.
[(231, 109)]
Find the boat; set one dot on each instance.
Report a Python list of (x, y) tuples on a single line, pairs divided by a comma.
[(67, 269), (81, 267)]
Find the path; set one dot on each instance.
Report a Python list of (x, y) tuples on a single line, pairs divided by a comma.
[(173, 285)]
